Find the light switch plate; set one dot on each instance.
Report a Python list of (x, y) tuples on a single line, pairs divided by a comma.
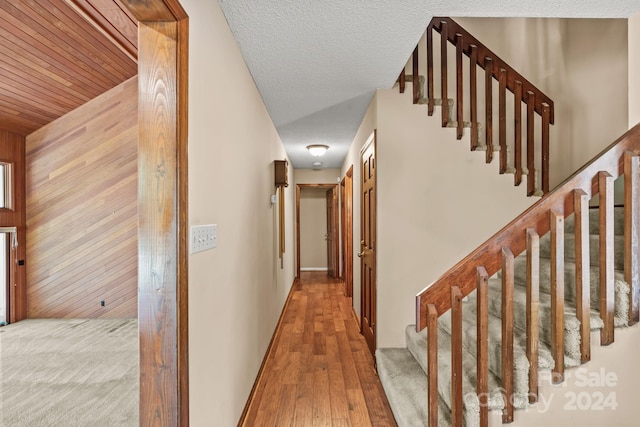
[(203, 237)]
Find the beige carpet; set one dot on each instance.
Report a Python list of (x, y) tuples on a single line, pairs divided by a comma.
[(56, 372)]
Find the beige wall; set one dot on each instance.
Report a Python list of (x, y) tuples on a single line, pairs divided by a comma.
[(369, 123), (611, 373), (313, 228), (433, 206), (236, 291), (317, 176), (634, 70)]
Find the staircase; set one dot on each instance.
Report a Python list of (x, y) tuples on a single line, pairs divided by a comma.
[(527, 300)]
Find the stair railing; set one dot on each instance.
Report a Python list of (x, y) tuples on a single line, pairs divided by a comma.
[(497, 253), (534, 100)]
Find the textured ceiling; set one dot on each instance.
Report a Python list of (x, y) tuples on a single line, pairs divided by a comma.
[(317, 64)]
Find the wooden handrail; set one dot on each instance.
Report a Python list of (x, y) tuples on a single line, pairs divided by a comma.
[(453, 29), (513, 236), (508, 79)]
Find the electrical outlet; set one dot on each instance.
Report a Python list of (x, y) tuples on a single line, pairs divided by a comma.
[(203, 237)]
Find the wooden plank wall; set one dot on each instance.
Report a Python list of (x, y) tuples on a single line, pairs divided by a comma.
[(81, 182), (12, 148)]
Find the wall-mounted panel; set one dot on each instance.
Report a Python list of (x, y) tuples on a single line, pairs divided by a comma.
[(82, 210)]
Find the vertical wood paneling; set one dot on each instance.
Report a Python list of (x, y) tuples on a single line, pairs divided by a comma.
[(81, 180), (12, 148)]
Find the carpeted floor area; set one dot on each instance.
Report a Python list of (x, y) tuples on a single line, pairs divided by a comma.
[(79, 372)]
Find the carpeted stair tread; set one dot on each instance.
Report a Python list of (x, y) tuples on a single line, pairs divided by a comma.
[(417, 345), (621, 288), (594, 249), (594, 222), (469, 334), (405, 385), (571, 322)]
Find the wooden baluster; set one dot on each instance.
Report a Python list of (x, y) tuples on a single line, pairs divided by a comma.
[(402, 79), (546, 115), (444, 35), (533, 301), (507, 333), (517, 140), (473, 88), (607, 309), (632, 233), (557, 295), (456, 357), (416, 77), (459, 87), (502, 119), (488, 84), (531, 146), (482, 343), (583, 285), (430, 94), (432, 363)]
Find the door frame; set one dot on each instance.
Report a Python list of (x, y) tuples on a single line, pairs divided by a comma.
[(370, 141), (299, 187), (163, 58), (11, 299), (346, 231)]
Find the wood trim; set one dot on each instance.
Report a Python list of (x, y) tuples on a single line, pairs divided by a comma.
[(444, 91), (93, 15), (267, 355), (607, 299), (508, 284), (163, 123), (432, 364), (451, 29), (12, 150), (299, 187), (346, 228), (473, 88), (537, 217), (456, 357), (533, 302), (556, 220), (583, 274), (482, 344)]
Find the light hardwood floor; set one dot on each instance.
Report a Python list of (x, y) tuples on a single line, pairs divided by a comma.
[(319, 371)]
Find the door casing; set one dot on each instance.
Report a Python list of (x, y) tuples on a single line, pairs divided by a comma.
[(299, 187)]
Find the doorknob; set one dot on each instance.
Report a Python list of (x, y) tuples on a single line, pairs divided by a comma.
[(363, 253)]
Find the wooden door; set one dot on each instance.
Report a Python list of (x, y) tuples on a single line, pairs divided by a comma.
[(346, 229), (368, 243), (332, 235)]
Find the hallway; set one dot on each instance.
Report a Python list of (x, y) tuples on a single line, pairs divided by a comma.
[(319, 371)]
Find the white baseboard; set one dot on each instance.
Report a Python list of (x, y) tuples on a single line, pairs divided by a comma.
[(314, 269)]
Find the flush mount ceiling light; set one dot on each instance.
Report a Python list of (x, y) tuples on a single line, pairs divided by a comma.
[(317, 164), (317, 150)]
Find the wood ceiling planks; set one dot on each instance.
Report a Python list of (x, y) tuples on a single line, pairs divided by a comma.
[(55, 55)]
